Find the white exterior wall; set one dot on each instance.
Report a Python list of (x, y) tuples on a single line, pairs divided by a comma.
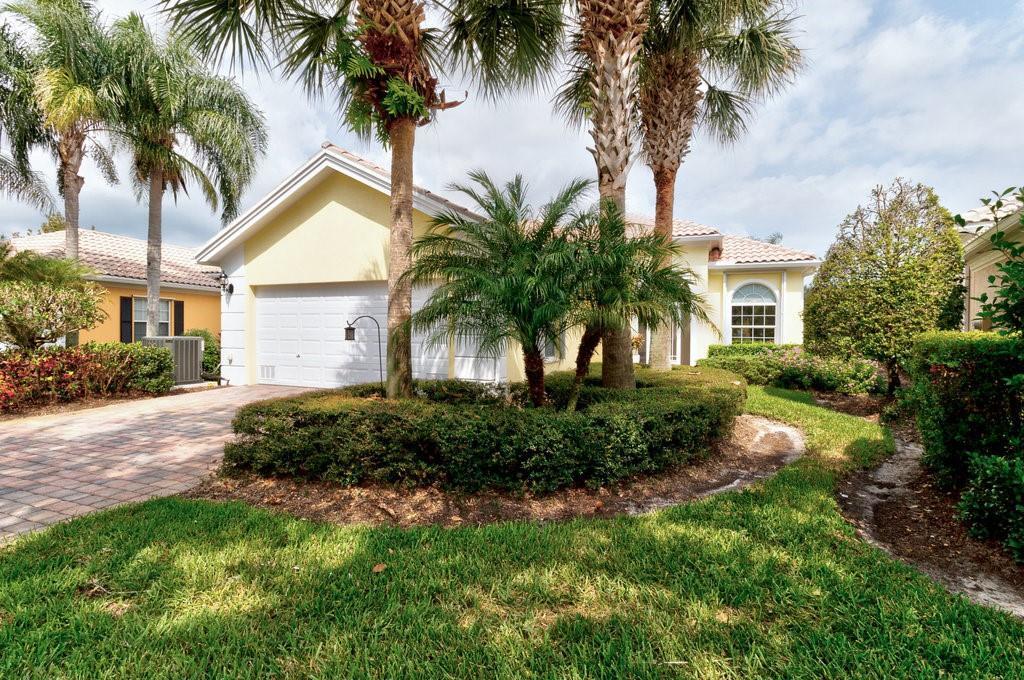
[(234, 317)]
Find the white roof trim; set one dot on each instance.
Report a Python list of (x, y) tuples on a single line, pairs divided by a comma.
[(326, 159), (778, 264), (212, 289)]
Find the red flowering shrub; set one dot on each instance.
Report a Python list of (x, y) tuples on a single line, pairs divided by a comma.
[(59, 374)]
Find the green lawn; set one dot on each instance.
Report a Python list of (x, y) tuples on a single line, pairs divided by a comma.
[(768, 582)]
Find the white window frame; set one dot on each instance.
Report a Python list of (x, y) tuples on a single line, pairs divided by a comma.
[(135, 320), (766, 329)]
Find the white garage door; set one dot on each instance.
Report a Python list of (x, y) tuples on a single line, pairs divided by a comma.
[(300, 336)]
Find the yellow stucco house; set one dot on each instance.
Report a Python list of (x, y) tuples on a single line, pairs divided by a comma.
[(980, 258), (189, 292), (311, 256)]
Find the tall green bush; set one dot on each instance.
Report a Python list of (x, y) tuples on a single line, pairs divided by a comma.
[(964, 404), (895, 271)]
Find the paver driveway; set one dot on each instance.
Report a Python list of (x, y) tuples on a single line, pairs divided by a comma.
[(59, 466)]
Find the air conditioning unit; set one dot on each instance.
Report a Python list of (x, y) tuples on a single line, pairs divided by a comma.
[(186, 353)]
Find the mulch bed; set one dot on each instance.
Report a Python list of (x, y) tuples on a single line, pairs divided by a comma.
[(95, 402), (922, 526), (754, 451)]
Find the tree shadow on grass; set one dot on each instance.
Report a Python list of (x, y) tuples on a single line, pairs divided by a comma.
[(738, 585)]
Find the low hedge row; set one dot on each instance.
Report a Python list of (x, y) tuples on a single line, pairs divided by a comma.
[(791, 367), (971, 421), (61, 374), (466, 436)]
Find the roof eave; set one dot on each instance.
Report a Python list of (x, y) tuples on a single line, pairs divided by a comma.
[(326, 159), (129, 281), (982, 240), (781, 264)]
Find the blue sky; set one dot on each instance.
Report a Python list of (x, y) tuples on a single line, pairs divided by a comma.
[(930, 90)]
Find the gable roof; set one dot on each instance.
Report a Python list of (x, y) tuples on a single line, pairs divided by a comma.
[(330, 158), (114, 256), (739, 250)]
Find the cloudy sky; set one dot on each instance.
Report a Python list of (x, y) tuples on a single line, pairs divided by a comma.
[(925, 89)]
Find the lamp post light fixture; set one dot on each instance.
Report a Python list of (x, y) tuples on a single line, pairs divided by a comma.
[(350, 336)]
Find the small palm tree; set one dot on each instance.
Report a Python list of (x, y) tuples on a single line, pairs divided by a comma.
[(703, 65), (69, 71), (620, 277), (378, 60), (20, 123), (502, 280), (169, 102)]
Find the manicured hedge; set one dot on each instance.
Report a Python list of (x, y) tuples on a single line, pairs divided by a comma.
[(468, 436), (791, 367), (964, 405), (61, 374)]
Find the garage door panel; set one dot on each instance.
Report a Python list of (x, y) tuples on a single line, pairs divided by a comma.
[(309, 321)]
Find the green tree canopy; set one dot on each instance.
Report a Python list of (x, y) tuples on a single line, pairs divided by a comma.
[(894, 271)]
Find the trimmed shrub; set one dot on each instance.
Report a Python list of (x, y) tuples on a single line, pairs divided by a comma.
[(467, 436), (963, 401), (993, 501), (59, 374), (791, 367), (748, 349), (211, 349)]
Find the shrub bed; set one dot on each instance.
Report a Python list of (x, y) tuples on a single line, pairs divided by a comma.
[(792, 367), (971, 421), (963, 403), (59, 374), (466, 436)]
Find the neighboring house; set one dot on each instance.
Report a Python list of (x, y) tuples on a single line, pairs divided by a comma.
[(980, 258), (189, 292), (312, 256)]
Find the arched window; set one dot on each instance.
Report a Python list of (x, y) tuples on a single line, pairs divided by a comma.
[(753, 314)]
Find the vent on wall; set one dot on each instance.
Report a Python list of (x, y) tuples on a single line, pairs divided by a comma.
[(266, 372)]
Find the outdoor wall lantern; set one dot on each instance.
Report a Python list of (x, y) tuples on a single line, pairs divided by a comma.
[(350, 336), (225, 287)]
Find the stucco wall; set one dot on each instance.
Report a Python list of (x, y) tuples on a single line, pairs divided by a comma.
[(336, 232), (202, 310)]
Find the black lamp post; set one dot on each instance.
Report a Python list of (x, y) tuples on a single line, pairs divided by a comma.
[(350, 336)]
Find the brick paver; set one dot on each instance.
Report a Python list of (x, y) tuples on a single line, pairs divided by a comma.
[(60, 466)]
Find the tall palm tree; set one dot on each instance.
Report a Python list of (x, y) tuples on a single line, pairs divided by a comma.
[(620, 277), (70, 71), (378, 61), (20, 123), (171, 102), (503, 279), (703, 65)]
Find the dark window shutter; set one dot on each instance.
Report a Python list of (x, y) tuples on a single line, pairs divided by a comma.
[(126, 319), (179, 317)]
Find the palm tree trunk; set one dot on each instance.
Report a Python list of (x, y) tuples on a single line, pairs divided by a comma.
[(612, 32), (154, 254), (402, 133), (588, 345), (664, 185), (533, 364), (71, 152)]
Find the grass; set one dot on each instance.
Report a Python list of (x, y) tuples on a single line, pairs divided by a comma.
[(769, 582)]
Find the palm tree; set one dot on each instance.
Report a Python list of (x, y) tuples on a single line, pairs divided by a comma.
[(378, 61), (620, 277), (170, 101), (20, 123), (703, 64), (69, 72), (503, 279)]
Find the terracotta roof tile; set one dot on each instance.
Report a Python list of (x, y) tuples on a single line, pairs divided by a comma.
[(741, 250), (640, 224), (123, 256)]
